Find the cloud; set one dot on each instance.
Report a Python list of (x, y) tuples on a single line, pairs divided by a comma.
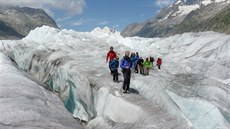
[(103, 23), (49, 12), (163, 3), (63, 19), (90, 21), (81, 21), (72, 7), (77, 23), (115, 27)]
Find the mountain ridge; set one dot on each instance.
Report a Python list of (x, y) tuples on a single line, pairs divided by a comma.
[(17, 22), (171, 20)]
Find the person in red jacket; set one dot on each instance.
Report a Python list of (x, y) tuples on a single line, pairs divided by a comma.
[(159, 62), (110, 56)]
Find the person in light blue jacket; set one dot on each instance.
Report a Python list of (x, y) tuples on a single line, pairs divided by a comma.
[(126, 65)]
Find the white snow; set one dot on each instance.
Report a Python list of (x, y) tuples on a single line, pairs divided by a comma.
[(186, 9), (167, 16), (227, 81), (179, 1), (218, 1), (206, 2), (194, 71)]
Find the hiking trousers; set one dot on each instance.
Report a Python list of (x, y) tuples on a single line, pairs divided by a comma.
[(159, 66), (141, 68), (146, 71), (110, 67), (126, 75), (136, 68), (115, 75)]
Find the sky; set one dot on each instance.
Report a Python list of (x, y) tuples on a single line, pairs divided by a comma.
[(85, 15)]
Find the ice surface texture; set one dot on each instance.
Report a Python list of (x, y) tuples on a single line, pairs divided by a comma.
[(26, 105), (192, 86)]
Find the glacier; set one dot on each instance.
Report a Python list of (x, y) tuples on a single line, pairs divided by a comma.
[(191, 90), (24, 104)]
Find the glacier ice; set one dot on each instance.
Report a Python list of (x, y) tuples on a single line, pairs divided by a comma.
[(26, 105), (194, 73)]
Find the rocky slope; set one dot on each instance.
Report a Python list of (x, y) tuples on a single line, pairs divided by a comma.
[(184, 16), (197, 21), (16, 22)]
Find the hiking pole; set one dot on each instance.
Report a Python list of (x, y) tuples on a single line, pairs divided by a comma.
[(132, 74)]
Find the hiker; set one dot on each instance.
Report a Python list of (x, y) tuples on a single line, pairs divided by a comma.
[(132, 56), (147, 66), (159, 62), (126, 65), (140, 65), (114, 68), (110, 55), (134, 59), (151, 61), (137, 54)]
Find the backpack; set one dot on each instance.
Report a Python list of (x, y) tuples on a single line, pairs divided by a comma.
[(159, 61), (114, 64)]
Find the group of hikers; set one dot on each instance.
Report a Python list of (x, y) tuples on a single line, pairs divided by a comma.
[(128, 63)]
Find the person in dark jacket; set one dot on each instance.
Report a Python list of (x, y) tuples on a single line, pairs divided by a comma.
[(140, 65), (110, 56), (151, 59), (114, 68), (134, 61), (159, 62), (126, 65)]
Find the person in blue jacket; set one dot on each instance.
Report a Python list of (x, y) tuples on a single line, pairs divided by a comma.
[(134, 58), (126, 65), (114, 68)]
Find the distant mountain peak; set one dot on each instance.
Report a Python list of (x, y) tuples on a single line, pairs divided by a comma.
[(17, 22), (169, 19)]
